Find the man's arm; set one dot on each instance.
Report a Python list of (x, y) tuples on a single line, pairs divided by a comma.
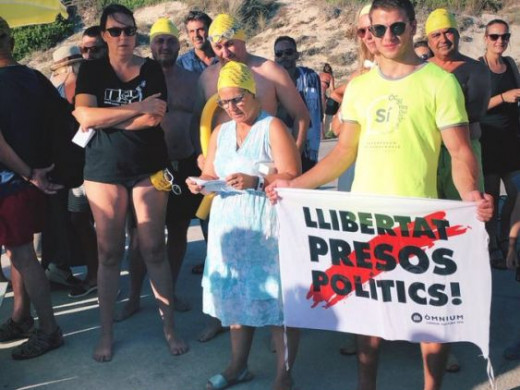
[(291, 100), (464, 168), (38, 177)]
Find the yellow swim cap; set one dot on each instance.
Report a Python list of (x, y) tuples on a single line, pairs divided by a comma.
[(164, 26), (365, 10), (236, 74), (438, 20), (225, 26)]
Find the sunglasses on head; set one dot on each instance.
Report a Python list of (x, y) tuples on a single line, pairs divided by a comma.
[(287, 52), (90, 49), (361, 32), (505, 37), (236, 101), (379, 30), (116, 31)]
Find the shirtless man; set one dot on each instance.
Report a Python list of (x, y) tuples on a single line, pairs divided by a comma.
[(165, 47), (273, 84)]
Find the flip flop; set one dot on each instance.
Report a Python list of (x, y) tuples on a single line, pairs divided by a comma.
[(219, 382)]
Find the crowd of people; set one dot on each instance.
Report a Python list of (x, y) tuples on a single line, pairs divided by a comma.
[(144, 171)]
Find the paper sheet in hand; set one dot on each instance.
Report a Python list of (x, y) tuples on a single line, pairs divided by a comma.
[(213, 185), (82, 138)]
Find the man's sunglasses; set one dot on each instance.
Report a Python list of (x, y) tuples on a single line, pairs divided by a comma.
[(361, 32), (287, 52), (505, 37), (91, 49), (236, 101), (116, 31), (379, 30)]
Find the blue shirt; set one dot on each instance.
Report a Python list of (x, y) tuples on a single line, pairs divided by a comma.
[(192, 63)]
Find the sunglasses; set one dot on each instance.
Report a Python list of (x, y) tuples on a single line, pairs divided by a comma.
[(90, 49), (379, 30), (505, 37), (236, 101), (286, 52), (116, 31), (361, 32)]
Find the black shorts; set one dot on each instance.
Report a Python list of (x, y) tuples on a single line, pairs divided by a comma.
[(186, 204)]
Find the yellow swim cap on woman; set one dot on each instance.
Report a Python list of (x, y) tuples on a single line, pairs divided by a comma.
[(236, 74), (440, 19), (225, 26), (164, 26)]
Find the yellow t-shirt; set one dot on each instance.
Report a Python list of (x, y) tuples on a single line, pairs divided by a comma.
[(400, 122)]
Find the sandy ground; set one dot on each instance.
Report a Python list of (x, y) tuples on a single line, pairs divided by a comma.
[(323, 33)]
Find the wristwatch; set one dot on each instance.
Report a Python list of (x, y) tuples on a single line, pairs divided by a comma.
[(260, 183)]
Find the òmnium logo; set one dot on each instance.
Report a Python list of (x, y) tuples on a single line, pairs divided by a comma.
[(438, 320)]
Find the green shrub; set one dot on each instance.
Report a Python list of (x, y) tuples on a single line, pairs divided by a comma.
[(41, 37)]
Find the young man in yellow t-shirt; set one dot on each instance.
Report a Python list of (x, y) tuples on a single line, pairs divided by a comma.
[(394, 119)]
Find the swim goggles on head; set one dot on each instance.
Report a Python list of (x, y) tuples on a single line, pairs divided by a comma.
[(228, 34)]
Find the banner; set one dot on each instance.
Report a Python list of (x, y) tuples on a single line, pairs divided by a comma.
[(399, 268)]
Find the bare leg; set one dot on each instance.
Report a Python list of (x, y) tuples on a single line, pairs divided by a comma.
[(434, 356), (30, 275), (241, 340), (150, 211), (368, 360), (176, 249), (22, 303), (284, 379), (137, 271), (109, 204)]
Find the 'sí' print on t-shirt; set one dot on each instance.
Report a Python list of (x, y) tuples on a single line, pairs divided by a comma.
[(120, 97)]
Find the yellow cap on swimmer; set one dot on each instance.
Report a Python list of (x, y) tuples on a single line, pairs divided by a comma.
[(365, 10), (440, 19), (236, 74), (164, 26), (225, 26)]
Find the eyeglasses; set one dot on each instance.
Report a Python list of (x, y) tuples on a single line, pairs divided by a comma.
[(236, 101), (116, 31), (379, 30), (90, 49), (505, 37), (361, 32), (286, 52)]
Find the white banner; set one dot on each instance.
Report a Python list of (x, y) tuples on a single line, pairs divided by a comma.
[(399, 268)]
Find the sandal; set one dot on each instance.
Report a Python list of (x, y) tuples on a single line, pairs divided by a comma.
[(38, 344), (219, 381), (11, 330)]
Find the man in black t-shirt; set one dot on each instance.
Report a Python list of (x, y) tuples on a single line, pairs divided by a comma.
[(23, 173)]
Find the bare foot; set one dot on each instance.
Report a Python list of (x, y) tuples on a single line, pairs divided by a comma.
[(180, 304), (130, 308), (212, 329), (103, 350), (284, 382), (177, 346)]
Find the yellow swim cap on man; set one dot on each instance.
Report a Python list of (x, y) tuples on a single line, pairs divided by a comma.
[(225, 26), (236, 74), (439, 20), (164, 26)]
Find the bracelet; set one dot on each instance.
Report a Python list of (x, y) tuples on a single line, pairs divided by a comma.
[(260, 183), (502, 97)]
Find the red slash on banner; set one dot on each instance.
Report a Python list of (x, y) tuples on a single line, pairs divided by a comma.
[(393, 244)]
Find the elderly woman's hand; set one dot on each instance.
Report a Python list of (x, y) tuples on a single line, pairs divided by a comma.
[(241, 181)]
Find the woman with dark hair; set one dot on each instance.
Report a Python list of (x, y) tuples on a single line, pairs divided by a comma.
[(500, 131), (123, 99)]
